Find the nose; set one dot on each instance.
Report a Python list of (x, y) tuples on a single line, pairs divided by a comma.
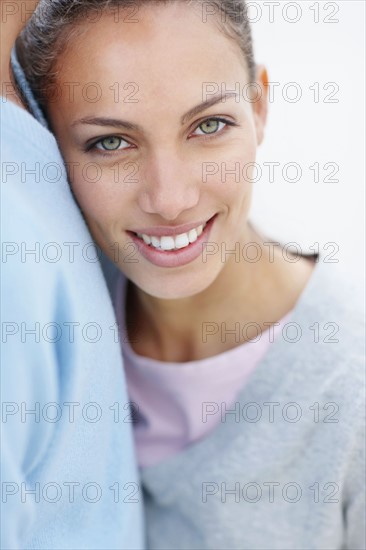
[(169, 187)]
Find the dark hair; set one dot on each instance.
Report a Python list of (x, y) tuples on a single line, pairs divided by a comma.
[(44, 37)]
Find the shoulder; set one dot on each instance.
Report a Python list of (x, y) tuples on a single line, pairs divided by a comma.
[(21, 133), (333, 295), (329, 352), (319, 352)]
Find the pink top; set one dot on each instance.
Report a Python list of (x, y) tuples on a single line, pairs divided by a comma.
[(179, 403)]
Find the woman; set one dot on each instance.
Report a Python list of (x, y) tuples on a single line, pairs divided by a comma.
[(245, 440)]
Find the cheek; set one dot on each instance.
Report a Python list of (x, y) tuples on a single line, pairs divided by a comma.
[(230, 175), (96, 191)]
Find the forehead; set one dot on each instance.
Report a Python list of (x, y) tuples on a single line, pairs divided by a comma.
[(163, 50)]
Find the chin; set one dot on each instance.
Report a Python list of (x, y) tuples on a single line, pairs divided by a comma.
[(175, 287)]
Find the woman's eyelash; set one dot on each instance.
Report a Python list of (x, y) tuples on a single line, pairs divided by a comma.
[(215, 119), (93, 145)]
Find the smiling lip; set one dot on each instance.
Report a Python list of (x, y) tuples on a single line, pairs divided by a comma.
[(168, 230), (177, 257)]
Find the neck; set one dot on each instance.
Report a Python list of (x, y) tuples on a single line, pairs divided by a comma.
[(250, 294), (14, 16)]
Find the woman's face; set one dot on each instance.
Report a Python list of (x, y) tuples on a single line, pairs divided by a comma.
[(154, 121)]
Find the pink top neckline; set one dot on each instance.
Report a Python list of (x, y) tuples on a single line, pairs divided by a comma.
[(180, 403)]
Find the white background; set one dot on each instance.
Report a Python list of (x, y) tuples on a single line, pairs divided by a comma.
[(306, 132)]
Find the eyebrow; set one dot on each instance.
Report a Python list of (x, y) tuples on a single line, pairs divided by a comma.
[(120, 123), (206, 104), (107, 121)]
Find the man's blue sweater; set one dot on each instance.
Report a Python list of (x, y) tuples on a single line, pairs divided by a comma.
[(68, 474)]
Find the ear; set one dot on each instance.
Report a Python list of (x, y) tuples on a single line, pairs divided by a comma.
[(260, 101)]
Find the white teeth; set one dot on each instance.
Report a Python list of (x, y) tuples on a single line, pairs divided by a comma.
[(181, 241), (167, 243), (192, 236), (155, 241), (173, 243)]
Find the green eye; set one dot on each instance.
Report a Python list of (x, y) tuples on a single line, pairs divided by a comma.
[(213, 126), (111, 143), (210, 126)]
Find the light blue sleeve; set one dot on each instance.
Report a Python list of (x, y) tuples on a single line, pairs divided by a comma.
[(37, 292), (28, 364)]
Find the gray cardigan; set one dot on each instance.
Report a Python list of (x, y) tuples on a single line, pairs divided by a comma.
[(286, 468)]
